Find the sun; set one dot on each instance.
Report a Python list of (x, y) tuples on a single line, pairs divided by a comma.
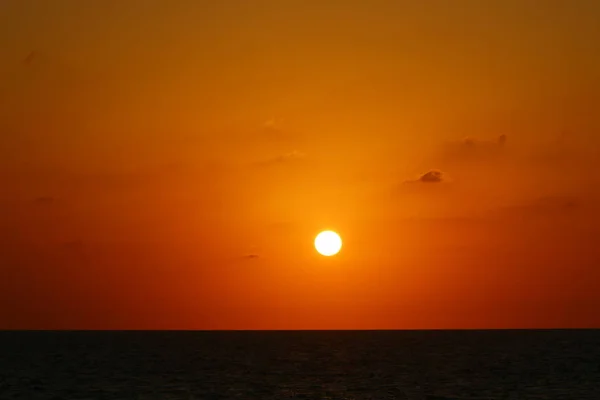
[(328, 243)]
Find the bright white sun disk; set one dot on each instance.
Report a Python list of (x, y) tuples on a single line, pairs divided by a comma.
[(328, 243)]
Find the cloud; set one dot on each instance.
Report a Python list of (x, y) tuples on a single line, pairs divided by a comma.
[(543, 206), (292, 156), (273, 129), (431, 176), (251, 256), (472, 149), (471, 143)]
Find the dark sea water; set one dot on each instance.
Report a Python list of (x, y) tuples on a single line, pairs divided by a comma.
[(305, 365)]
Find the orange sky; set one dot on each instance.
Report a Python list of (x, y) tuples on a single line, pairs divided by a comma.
[(168, 164)]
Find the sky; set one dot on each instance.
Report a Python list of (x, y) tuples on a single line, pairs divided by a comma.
[(167, 164)]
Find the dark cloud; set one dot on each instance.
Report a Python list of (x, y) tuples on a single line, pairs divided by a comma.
[(251, 256), (431, 176)]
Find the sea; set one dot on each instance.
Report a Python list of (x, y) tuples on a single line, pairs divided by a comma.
[(341, 365)]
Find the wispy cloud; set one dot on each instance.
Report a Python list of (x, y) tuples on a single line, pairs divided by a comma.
[(274, 129), (251, 256), (292, 156), (472, 149), (544, 206)]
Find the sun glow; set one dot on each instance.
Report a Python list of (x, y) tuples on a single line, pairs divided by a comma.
[(328, 243)]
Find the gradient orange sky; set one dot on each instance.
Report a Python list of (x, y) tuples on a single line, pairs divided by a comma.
[(167, 164)]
